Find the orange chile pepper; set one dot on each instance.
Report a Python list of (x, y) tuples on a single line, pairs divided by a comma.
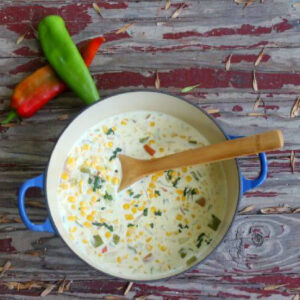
[(40, 87)]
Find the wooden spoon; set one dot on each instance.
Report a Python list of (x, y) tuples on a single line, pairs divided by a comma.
[(135, 169)]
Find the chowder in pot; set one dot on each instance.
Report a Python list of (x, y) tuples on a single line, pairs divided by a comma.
[(161, 223), (160, 226)]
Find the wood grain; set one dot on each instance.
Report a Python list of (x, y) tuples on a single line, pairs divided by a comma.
[(260, 255)]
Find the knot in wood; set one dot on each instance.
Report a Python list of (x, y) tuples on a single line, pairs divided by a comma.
[(257, 239)]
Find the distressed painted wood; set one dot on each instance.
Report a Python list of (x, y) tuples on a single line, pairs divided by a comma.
[(260, 255)]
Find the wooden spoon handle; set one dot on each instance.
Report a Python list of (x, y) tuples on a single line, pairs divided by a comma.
[(270, 140)]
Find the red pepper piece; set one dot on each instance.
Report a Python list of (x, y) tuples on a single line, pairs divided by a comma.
[(104, 249), (149, 150), (40, 87)]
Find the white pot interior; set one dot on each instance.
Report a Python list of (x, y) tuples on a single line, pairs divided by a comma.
[(134, 101)]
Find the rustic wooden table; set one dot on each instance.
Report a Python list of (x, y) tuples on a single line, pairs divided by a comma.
[(260, 256)]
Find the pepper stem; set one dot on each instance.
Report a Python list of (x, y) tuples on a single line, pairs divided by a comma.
[(11, 115)]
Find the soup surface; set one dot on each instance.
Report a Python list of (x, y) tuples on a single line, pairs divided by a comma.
[(161, 224)]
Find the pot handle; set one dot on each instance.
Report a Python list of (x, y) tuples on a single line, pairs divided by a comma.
[(248, 184), (33, 182)]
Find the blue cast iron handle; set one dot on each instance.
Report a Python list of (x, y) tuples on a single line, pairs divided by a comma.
[(249, 184), (33, 182)]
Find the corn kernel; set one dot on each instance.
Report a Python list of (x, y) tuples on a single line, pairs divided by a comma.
[(90, 218), (193, 216), (119, 259), (73, 206), (177, 198), (151, 195), (71, 199), (163, 248), (71, 218), (183, 198), (183, 136), (151, 142), (198, 226), (152, 124), (134, 210), (64, 176), (90, 191), (110, 144), (73, 229), (87, 224), (168, 233), (149, 247), (141, 233), (85, 147), (94, 198), (179, 217), (152, 185), (126, 206), (154, 178), (136, 258), (153, 209), (148, 239), (104, 129), (114, 128), (72, 237), (82, 213), (108, 234), (188, 178), (179, 192), (141, 208), (115, 180), (82, 203), (70, 160), (189, 234), (107, 177), (63, 186), (161, 149), (128, 233), (128, 217), (93, 213), (186, 221), (84, 241), (102, 220), (123, 122)]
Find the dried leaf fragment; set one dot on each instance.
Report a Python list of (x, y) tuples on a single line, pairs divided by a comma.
[(21, 38), (254, 114), (189, 88), (293, 160), (97, 9), (276, 210), (113, 297), (147, 257), (144, 297), (6, 267), (168, 4), (254, 83), (63, 117), (213, 111), (248, 3), (246, 209), (273, 287), (257, 102), (67, 287), (48, 290), (296, 210), (297, 4), (240, 1), (178, 11), (296, 297), (228, 62), (61, 287), (129, 286), (34, 203), (295, 108), (124, 28), (157, 81), (259, 57)]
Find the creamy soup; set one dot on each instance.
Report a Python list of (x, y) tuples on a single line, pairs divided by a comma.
[(159, 225)]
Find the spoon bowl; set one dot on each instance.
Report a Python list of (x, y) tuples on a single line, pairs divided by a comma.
[(135, 169)]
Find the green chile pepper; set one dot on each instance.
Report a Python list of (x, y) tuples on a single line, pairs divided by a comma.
[(65, 58)]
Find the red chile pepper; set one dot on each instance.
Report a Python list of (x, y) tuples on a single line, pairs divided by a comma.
[(40, 87), (149, 150)]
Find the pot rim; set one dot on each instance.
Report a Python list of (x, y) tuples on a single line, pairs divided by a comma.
[(231, 222)]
